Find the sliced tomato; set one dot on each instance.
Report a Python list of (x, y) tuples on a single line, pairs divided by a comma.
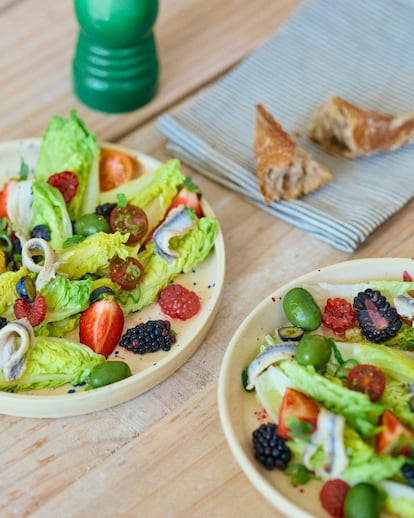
[(4, 194), (367, 379), (189, 199), (296, 404), (127, 273), (115, 168), (394, 436), (130, 220), (66, 182)]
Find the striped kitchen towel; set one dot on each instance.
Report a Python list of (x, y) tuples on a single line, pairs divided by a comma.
[(360, 50)]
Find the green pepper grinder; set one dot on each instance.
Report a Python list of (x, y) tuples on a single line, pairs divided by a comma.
[(115, 67)]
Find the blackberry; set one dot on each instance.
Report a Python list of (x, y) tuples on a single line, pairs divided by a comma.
[(105, 209), (3, 322), (41, 231), (378, 320), (270, 449), (149, 337), (408, 472)]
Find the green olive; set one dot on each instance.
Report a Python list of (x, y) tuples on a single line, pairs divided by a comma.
[(362, 501), (107, 373), (301, 309), (89, 224), (313, 350)]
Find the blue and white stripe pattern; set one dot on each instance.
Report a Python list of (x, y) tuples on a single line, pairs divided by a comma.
[(361, 50)]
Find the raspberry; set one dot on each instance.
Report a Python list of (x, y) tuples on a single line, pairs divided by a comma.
[(332, 497), (338, 315), (35, 311), (179, 302), (66, 182)]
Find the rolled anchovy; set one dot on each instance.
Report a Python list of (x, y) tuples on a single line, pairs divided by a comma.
[(15, 340), (404, 304), (47, 270), (178, 223), (271, 355)]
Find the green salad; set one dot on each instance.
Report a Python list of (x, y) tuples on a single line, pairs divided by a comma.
[(337, 384), (77, 259)]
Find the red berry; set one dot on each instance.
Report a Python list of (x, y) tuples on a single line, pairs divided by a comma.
[(101, 325), (66, 182), (338, 315), (332, 497), (179, 302), (35, 311)]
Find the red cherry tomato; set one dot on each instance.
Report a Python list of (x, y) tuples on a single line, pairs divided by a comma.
[(127, 273), (66, 182), (367, 379), (115, 168), (129, 220)]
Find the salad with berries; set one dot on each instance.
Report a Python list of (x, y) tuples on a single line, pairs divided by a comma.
[(88, 241), (316, 392)]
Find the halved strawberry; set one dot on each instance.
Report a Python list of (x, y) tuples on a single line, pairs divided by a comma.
[(395, 437), (189, 198), (101, 325), (4, 194), (296, 404)]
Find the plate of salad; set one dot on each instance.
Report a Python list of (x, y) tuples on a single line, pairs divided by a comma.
[(316, 392), (111, 271)]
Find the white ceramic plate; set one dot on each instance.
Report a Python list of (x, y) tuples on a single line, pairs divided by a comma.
[(148, 370), (239, 411)]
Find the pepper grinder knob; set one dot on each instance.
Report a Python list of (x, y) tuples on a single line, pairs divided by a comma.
[(115, 66)]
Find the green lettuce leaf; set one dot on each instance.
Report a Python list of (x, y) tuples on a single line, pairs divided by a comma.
[(93, 254), (8, 281), (359, 412), (52, 362), (65, 298), (49, 208), (399, 498), (395, 363), (193, 248), (153, 193), (67, 145)]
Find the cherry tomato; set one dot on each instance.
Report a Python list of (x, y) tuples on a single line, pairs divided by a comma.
[(115, 168), (367, 379), (66, 182), (129, 220), (127, 273)]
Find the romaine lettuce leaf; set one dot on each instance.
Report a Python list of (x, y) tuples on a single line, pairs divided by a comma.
[(399, 498), (67, 145), (8, 281), (93, 254), (52, 362), (153, 193), (65, 298), (356, 407), (49, 208), (193, 247)]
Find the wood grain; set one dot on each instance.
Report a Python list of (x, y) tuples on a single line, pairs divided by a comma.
[(162, 454)]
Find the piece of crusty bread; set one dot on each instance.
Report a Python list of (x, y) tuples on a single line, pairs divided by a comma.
[(284, 171), (344, 129)]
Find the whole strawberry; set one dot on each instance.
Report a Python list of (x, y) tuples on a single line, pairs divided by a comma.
[(101, 326), (332, 497)]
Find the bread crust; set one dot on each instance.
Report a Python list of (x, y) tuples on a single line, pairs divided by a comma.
[(345, 129), (284, 170)]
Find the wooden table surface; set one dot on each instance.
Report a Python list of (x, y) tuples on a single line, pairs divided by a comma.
[(162, 454)]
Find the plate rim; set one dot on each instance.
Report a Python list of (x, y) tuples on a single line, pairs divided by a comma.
[(250, 470), (49, 406)]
